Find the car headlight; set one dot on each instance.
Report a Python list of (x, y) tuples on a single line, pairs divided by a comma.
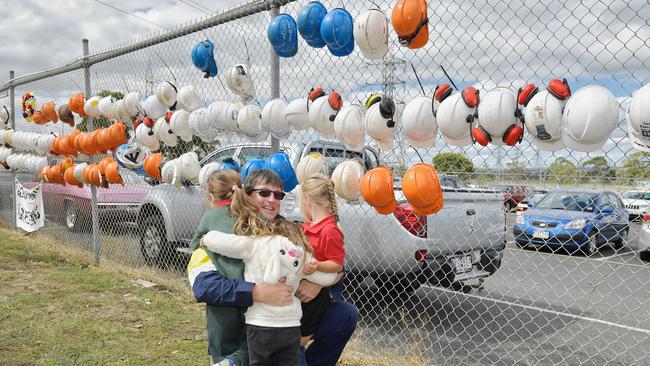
[(519, 220), (576, 224)]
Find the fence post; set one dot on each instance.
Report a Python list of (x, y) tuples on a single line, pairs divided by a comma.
[(12, 104), (275, 78), (93, 190)]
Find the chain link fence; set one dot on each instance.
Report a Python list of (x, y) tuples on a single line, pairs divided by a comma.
[(467, 285)]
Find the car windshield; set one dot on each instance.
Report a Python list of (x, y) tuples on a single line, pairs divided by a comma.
[(536, 197), (637, 195), (568, 201)]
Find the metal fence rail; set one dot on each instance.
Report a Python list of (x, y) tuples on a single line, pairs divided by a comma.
[(539, 305)]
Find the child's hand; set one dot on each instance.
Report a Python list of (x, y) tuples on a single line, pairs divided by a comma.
[(310, 268)]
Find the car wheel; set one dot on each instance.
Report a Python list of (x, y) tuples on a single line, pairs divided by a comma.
[(622, 240), (645, 255), (591, 247), (153, 243), (71, 216)]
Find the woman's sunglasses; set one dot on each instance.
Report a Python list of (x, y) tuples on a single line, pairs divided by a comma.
[(263, 192)]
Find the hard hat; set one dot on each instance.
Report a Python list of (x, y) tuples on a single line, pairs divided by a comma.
[(419, 124), (297, 113), (310, 164), (146, 137), (49, 112), (230, 114), (171, 172), (455, 116), (249, 121), (378, 191), (216, 111), (205, 173), (166, 93), (251, 166), (322, 113), (112, 173), (71, 179), (78, 172), (638, 119), (132, 103), (203, 58), (65, 114), (349, 128), (371, 33), (187, 99), (239, 81), (153, 108), (283, 35), (411, 23), (274, 118), (163, 131), (422, 190), (106, 107), (189, 165), (91, 107), (543, 117), (44, 143), (498, 120), (199, 122), (337, 30), (590, 116), (230, 163), (152, 165), (347, 179), (279, 163), (180, 124), (4, 117), (131, 156), (122, 112), (309, 21), (379, 120), (76, 103)]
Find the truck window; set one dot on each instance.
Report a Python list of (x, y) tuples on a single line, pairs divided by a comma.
[(335, 157), (218, 157), (248, 153)]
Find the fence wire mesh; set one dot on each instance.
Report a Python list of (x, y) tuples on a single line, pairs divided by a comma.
[(480, 282)]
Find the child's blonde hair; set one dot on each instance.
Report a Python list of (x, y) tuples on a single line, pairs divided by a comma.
[(320, 189)]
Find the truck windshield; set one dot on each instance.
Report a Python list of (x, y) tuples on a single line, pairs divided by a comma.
[(336, 157)]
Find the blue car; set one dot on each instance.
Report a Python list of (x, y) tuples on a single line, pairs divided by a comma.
[(576, 219)]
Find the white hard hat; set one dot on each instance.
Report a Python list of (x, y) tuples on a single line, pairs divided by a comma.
[(249, 120), (4, 153), (217, 112), (171, 172), (455, 119), (4, 117), (78, 172), (132, 103), (163, 131), (166, 93), (371, 33), (230, 115), (106, 107), (419, 123), (131, 156), (347, 179), (189, 165), (310, 164), (153, 108), (590, 116), (180, 124), (274, 118), (122, 113), (321, 116), (638, 119), (199, 122), (44, 144), (146, 137), (297, 113), (91, 107), (543, 119), (8, 136), (239, 81), (187, 99), (349, 128), (205, 173), (496, 112), (379, 122)]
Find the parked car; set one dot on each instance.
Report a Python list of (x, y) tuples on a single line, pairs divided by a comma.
[(574, 219), (512, 195), (637, 202), (117, 203), (531, 200), (400, 251), (644, 237)]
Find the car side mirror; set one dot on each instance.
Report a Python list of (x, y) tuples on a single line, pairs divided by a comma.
[(607, 209)]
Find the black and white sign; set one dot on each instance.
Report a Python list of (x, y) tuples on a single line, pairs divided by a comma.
[(29, 207)]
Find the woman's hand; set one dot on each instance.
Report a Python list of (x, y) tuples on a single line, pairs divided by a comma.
[(307, 291), (310, 268), (278, 294)]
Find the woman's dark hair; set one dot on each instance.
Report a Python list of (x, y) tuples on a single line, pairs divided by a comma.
[(262, 177)]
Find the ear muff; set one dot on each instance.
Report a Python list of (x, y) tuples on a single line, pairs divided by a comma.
[(149, 122), (315, 93), (480, 135), (559, 88), (387, 110), (470, 96), (372, 99), (336, 102), (526, 93), (513, 135), (442, 92)]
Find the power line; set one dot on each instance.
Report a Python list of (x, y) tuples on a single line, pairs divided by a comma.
[(131, 14), (197, 6)]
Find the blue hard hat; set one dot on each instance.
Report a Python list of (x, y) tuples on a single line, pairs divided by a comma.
[(203, 58), (337, 31), (283, 35), (281, 165), (309, 22), (229, 163), (251, 166)]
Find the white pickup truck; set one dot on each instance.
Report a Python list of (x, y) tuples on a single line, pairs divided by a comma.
[(400, 251)]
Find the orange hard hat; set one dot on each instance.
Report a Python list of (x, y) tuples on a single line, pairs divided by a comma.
[(103, 163), (65, 115), (84, 141), (377, 190), (422, 190), (117, 135), (411, 23), (55, 174), (39, 118), (69, 178), (73, 140), (76, 103), (92, 175), (152, 165), (56, 145), (112, 172), (48, 110), (103, 139), (66, 163)]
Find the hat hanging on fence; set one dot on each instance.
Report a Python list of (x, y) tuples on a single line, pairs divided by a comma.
[(590, 116), (187, 99), (230, 163), (371, 33), (71, 179), (281, 164), (230, 116), (145, 136), (379, 120), (131, 156), (166, 93), (249, 120), (310, 164), (122, 113), (240, 82), (65, 115), (282, 33), (297, 113), (274, 118), (91, 107), (309, 22), (153, 108), (337, 30), (163, 131), (322, 113), (48, 110), (132, 103), (4, 117), (152, 165), (78, 172), (189, 166), (349, 128), (180, 124), (203, 58), (422, 190), (455, 116), (543, 115), (419, 124), (347, 179), (199, 123), (411, 23), (76, 103), (378, 191), (498, 121), (171, 172), (107, 107), (638, 119), (205, 173), (216, 111), (251, 166)]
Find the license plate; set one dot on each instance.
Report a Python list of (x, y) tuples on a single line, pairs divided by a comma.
[(462, 264), (540, 234)]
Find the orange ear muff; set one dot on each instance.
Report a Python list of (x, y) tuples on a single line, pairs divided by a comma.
[(149, 122), (526, 93), (481, 136), (470, 96), (315, 93), (442, 92), (513, 135), (335, 100), (168, 117), (136, 123), (559, 88)]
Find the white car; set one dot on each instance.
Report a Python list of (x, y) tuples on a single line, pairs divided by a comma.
[(637, 202), (644, 238)]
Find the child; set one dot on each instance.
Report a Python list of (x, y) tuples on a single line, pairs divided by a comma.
[(318, 205), (273, 250)]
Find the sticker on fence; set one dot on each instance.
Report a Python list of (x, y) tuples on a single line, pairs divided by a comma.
[(29, 207)]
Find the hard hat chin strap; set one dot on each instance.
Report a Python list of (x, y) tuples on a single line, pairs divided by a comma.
[(405, 41)]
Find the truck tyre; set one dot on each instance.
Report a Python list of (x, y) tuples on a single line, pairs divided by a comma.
[(153, 243), (71, 216)]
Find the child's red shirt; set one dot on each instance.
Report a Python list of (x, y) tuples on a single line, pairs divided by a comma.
[(327, 240)]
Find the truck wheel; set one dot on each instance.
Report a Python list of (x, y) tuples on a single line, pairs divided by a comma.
[(153, 243), (622, 240), (71, 216)]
